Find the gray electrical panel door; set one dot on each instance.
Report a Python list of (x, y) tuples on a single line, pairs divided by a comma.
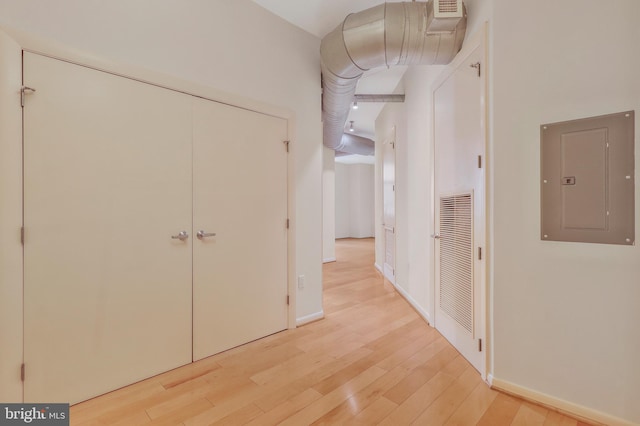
[(588, 180)]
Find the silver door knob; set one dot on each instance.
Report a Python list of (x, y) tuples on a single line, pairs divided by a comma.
[(183, 235), (201, 234), (435, 236)]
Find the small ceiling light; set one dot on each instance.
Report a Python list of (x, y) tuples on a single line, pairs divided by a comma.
[(355, 104), (351, 126)]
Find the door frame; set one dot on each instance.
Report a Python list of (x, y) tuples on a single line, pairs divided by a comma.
[(390, 140), (477, 40)]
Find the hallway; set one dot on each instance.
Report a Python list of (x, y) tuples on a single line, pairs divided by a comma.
[(372, 360)]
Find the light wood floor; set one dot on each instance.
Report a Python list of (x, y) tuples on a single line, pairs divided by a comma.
[(372, 360)]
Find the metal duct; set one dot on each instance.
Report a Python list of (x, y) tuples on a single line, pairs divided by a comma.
[(385, 35), (353, 144)]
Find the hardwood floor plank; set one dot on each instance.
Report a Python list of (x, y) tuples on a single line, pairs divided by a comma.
[(502, 411), (179, 396), (225, 406), (241, 416), (328, 402), (473, 408), (178, 416), (360, 400), (419, 401), (447, 403), (410, 384), (90, 410), (527, 416), (556, 419), (290, 390), (286, 409), (375, 412), (291, 369)]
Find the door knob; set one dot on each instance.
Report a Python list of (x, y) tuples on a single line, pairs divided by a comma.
[(201, 234), (183, 235), (435, 236)]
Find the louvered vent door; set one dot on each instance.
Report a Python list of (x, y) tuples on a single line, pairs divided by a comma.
[(456, 259), (459, 208)]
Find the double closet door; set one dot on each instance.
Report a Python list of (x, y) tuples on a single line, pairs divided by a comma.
[(119, 177)]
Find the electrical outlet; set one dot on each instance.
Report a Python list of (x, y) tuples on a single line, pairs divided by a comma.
[(300, 282)]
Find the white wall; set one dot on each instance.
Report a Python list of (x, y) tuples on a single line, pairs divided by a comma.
[(234, 46), (328, 205), (566, 315), (354, 191)]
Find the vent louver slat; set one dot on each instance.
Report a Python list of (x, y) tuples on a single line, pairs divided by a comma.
[(456, 259)]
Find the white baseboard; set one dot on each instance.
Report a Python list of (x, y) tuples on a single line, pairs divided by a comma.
[(379, 268), (309, 318), (329, 260), (490, 379), (565, 407), (424, 314)]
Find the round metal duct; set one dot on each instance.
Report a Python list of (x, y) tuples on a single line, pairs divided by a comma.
[(408, 33)]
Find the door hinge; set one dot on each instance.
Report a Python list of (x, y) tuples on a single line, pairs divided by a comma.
[(22, 372), (479, 345), (287, 300), (22, 235), (287, 223), (394, 188), (286, 145), (479, 253), (24, 90), (479, 161), (477, 66)]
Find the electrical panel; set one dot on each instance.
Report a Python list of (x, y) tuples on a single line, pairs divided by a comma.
[(588, 180)]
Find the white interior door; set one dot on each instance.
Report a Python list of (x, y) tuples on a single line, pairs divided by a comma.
[(389, 201), (240, 195), (107, 182), (459, 207)]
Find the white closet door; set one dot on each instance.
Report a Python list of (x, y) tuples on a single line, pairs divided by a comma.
[(107, 167), (10, 219), (240, 194)]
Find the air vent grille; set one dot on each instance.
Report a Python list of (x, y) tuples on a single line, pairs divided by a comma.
[(456, 259), (447, 6)]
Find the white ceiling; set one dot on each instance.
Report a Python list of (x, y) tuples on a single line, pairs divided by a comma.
[(319, 17)]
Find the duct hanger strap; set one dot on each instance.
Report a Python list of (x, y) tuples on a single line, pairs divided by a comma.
[(378, 98)]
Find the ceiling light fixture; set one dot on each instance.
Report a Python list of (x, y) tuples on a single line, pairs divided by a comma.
[(351, 126), (355, 104)]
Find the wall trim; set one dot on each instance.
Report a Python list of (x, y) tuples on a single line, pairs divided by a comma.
[(565, 407), (414, 304), (329, 260), (310, 318), (378, 268)]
